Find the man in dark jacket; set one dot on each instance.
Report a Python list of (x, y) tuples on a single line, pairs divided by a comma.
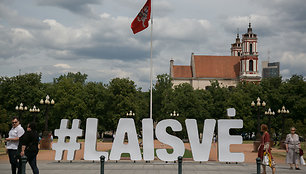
[(28, 146)]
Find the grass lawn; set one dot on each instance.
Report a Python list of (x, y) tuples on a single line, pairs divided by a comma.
[(2, 148), (248, 142)]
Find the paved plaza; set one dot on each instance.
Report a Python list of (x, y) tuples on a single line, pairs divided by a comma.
[(156, 167)]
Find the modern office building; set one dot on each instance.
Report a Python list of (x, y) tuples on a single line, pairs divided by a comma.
[(270, 69)]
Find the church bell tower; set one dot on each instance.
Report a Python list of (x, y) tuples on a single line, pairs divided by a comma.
[(249, 57), (236, 47)]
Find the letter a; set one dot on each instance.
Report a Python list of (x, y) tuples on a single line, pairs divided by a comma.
[(125, 125)]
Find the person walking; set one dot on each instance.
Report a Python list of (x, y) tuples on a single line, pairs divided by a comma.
[(293, 148), (265, 147), (28, 146), (12, 143)]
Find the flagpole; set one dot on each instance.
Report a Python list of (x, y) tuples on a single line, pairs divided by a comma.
[(151, 65)]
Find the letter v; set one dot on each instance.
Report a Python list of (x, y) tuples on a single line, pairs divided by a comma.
[(200, 151)]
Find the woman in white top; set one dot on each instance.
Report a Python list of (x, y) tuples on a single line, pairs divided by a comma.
[(293, 148), (12, 143)]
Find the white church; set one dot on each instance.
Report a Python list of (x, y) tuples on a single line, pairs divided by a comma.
[(242, 65)]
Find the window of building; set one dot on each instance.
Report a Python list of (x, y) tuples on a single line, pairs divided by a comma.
[(208, 87), (238, 53), (251, 48), (251, 65)]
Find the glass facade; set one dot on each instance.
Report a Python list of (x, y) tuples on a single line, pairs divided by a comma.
[(271, 71)]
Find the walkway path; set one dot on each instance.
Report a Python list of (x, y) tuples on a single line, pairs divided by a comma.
[(156, 167)]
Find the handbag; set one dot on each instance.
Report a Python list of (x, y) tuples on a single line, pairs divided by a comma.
[(265, 160), (301, 153), (302, 160)]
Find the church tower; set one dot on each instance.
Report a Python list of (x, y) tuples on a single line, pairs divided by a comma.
[(249, 57), (236, 47)]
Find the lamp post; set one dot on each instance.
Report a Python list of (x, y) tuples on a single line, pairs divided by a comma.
[(45, 142), (130, 114), (258, 104), (283, 112), (269, 113), (20, 109), (174, 114), (35, 111), (48, 103)]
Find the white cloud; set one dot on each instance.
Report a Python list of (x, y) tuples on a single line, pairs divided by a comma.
[(79, 7), (294, 62), (62, 65)]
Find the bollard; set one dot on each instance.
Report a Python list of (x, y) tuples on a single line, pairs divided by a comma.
[(102, 160), (180, 161), (23, 161), (258, 162)]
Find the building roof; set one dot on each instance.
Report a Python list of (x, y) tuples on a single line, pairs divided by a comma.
[(225, 67), (182, 71), (217, 66)]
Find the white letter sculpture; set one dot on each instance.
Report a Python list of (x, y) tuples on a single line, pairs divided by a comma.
[(200, 151), (176, 143), (225, 140), (90, 152), (70, 146), (125, 125), (147, 139)]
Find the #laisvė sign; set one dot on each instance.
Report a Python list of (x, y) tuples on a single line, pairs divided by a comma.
[(200, 149)]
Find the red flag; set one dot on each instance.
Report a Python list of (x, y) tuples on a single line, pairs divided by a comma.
[(141, 21)]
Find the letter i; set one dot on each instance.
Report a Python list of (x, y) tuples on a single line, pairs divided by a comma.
[(147, 139)]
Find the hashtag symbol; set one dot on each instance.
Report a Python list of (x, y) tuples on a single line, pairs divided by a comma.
[(70, 146)]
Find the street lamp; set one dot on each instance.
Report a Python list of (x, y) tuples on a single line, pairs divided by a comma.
[(48, 103), (174, 114), (45, 142), (35, 111), (269, 113), (20, 109), (131, 113), (283, 111), (258, 104)]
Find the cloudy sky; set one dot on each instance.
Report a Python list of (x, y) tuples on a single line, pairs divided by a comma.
[(94, 36)]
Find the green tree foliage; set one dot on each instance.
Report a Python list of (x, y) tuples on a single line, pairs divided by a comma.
[(69, 95), (163, 102), (96, 98), (121, 99), (76, 98), (219, 100), (4, 120), (25, 88)]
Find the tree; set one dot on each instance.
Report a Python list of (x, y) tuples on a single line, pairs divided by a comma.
[(23, 88), (162, 97), (4, 121), (95, 97), (68, 93), (75, 77), (122, 95), (293, 93), (219, 100)]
